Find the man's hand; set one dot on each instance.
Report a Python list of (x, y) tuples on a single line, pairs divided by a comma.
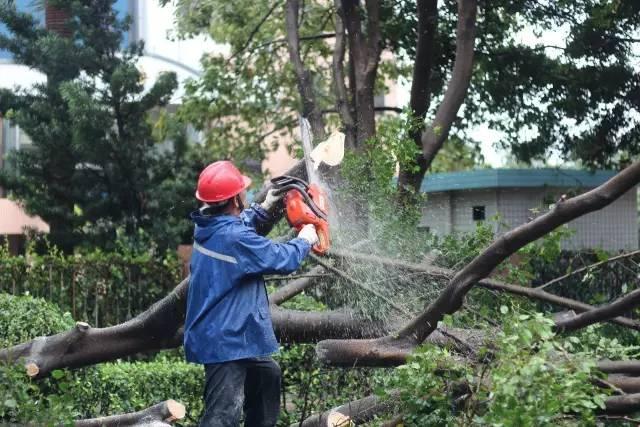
[(273, 197), (309, 234)]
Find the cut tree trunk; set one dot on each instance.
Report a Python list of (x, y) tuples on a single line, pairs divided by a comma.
[(162, 414)]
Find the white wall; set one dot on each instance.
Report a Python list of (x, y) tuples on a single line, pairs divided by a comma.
[(613, 228)]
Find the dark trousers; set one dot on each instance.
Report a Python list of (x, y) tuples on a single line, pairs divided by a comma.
[(251, 386)]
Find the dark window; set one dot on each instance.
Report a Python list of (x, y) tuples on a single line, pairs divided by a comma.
[(478, 213)]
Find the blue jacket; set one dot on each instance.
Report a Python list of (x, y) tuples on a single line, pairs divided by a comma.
[(228, 314)]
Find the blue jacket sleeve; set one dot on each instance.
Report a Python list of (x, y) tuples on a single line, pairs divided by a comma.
[(255, 216), (259, 255)]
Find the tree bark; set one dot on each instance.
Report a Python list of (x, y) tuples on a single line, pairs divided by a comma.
[(163, 413), (409, 181), (294, 287), (343, 103), (365, 56), (357, 412), (161, 327), (437, 132), (310, 109)]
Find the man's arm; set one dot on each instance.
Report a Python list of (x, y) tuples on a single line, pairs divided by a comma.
[(259, 255), (261, 217)]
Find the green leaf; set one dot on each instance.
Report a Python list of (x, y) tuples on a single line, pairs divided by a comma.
[(57, 374)]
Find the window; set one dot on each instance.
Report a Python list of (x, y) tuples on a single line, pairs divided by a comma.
[(126, 8), (478, 213)]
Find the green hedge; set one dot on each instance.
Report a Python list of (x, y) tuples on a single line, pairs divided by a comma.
[(99, 288), (23, 318), (121, 387)]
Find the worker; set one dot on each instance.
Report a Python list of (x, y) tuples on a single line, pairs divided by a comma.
[(228, 324)]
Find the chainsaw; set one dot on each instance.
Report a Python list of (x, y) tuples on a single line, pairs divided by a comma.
[(304, 204)]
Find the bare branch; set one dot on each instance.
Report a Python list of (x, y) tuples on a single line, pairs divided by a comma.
[(294, 287), (438, 131), (302, 38), (588, 267), (255, 31), (600, 314), (310, 108)]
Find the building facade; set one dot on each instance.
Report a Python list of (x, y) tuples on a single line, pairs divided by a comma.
[(507, 198)]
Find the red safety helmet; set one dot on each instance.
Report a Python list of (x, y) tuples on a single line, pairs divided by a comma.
[(220, 181)]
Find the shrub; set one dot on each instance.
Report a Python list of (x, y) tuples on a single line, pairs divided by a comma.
[(101, 288), (534, 378), (23, 318)]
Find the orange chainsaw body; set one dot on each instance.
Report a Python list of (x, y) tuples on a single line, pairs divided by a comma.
[(299, 214)]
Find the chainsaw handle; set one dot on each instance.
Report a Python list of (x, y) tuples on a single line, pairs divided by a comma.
[(312, 205)]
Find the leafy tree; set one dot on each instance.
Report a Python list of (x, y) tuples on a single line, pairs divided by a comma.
[(466, 66), (94, 165)]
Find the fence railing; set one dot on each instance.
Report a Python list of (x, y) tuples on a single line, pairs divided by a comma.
[(102, 288)]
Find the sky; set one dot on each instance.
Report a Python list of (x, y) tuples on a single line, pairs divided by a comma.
[(494, 155)]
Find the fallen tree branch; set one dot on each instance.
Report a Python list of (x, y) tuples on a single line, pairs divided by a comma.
[(624, 404), (296, 286), (352, 413), (391, 349), (600, 314), (445, 273), (626, 367), (588, 267), (164, 413), (161, 327)]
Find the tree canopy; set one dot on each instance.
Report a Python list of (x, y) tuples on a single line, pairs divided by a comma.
[(578, 98)]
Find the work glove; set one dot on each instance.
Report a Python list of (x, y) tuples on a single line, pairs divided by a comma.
[(309, 234), (273, 197)]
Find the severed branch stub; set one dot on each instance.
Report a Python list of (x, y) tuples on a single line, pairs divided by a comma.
[(161, 414)]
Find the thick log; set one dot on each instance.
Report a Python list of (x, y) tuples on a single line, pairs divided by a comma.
[(626, 367), (352, 413), (293, 326), (162, 414), (625, 383), (157, 328), (161, 327), (625, 404)]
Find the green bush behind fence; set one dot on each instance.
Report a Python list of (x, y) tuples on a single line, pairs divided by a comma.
[(99, 288)]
